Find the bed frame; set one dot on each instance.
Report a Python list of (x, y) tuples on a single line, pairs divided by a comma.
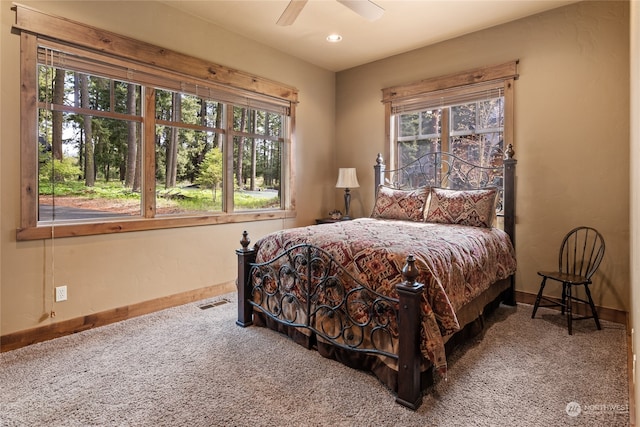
[(322, 278)]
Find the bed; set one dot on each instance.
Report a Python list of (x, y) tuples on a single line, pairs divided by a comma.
[(393, 292)]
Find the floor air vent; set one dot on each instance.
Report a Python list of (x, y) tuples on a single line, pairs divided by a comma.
[(213, 304)]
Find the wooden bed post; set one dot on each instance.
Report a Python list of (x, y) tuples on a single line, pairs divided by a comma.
[(246, 256), (378, 173), (509, 182), (410, 295), (510, 193)]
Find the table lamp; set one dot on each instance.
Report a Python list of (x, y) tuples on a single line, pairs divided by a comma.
[(347, 179)]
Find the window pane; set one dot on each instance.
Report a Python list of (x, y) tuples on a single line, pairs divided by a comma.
[(257, 122), (491, 114), (257, 171), (273, 124), (189, 172), (463, 117), (481, 149), (128, 97), (63, 87), (408, 152), (430, 122), (420, 125), (86, 176), (409, 125), (188, 109), (210, 113), (99, 93)]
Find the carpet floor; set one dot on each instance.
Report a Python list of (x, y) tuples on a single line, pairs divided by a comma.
[(189, 366)]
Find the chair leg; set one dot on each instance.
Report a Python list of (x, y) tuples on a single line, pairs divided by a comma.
[(568, 304), (593, 307), (538, 297), (563, 299)]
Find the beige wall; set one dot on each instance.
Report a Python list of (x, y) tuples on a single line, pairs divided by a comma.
[(571, 128), (105, 272)]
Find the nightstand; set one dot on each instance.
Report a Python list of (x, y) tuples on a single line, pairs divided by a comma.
[(331, 220)]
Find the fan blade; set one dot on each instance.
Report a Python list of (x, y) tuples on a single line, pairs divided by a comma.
[(365, 8), (292, 11)]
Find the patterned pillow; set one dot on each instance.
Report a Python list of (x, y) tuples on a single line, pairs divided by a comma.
[(464, 207), (392, 203)]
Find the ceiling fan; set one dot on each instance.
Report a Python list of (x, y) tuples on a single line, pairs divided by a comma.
[(365, 8)]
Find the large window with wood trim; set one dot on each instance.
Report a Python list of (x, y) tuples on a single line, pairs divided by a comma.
[(468, 114), (115, 143)]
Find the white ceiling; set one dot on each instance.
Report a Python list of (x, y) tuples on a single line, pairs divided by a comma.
[(405, 25)]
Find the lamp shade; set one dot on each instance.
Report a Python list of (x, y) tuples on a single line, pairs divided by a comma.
[(347, 178)]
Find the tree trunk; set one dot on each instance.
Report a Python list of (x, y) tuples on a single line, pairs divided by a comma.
[(172, 148), (89, 164), (253, 165), (218, 138), (76, 103), (243, 121), (205, 138), (137, 177), (132, 138), (253, 151), (56, 116)]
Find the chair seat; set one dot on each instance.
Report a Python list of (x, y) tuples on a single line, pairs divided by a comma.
[(574, 279)]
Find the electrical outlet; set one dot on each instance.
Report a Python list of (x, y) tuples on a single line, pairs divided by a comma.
[(61, 293)]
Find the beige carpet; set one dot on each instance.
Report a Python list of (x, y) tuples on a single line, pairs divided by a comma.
[(192, 367)]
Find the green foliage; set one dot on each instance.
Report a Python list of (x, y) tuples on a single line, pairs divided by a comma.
[(210, 173), (183, 199), (57, 171), (247, 201), (75, 188), (193, 199)]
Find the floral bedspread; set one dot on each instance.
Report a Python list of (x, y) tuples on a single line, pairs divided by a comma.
[(456, 263)]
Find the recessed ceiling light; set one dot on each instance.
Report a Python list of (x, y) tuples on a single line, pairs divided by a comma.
[(334, 38)]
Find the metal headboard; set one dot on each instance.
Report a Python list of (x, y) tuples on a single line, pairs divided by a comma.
[(447, 170)]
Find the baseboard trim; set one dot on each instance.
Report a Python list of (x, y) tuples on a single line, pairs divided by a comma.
[(67, 327), (604, 313), (632, 384)]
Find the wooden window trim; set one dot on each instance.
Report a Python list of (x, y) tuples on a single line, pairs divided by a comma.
[(506, 73), (33, 26), (53, 27)]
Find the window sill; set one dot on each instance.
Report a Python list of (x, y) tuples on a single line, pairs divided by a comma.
[(48, 231)]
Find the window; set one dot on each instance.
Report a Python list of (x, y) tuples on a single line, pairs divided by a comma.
[(129, 140), (468, 114)]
